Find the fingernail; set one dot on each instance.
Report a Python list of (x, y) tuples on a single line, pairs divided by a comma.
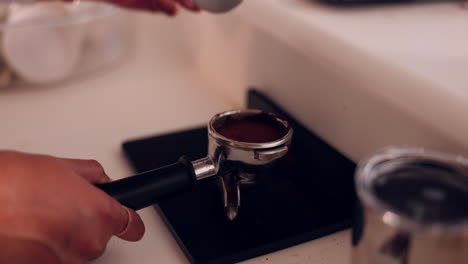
[(105, 179), (127, 226)]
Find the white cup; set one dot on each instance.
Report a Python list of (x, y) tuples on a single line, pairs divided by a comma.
[(38, 46)]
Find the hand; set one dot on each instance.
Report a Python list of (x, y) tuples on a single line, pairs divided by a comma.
[(52, 213), (169, 7)]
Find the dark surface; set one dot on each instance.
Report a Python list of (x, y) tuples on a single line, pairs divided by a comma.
[(306, 195)]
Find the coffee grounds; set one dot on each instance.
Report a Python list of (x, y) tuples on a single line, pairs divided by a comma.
[(259, 128)]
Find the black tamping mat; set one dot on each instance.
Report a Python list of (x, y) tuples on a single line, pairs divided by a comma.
[(306, 195)]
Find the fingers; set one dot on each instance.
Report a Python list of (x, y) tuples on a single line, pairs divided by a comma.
[(189, 4), (170, 7), (167, 6), (90, 170), (129, 225), (133, 227)]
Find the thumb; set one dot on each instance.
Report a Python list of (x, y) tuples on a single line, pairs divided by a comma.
[(134, 227)]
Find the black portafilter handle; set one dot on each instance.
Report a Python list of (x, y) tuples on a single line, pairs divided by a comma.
[(147, 188)]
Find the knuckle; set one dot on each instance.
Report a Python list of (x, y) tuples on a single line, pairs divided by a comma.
[(104, 211), (95, 166), (95, 244), (94, 248), (111, 215), (107, 214)]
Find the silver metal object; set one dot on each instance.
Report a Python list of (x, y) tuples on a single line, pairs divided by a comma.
[(413, 208), (217, 6), (206, 167), (240, 155)]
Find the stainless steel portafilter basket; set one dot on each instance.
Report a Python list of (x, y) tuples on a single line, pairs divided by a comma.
[(239, 142)]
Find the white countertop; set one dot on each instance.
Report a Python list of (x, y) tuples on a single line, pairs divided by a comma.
[(414, 55)]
